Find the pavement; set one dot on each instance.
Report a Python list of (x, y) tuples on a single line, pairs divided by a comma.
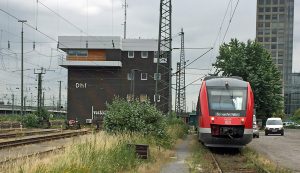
[(284, 150), (179, 165)]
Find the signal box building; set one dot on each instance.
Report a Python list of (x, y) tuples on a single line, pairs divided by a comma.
[(103, 67)]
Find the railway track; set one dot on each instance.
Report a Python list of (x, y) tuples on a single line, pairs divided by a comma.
[(232, 161), (39, 154), (26, 133), (37, 139)]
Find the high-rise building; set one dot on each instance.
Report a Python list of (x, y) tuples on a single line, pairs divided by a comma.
[(274, 29)]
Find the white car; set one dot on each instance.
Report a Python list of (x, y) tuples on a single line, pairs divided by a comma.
[(274, 126)]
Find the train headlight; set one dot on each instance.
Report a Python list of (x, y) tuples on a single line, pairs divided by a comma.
[(212, 119), (242, 120)]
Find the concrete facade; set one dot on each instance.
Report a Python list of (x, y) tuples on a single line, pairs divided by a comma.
[(274, 29)]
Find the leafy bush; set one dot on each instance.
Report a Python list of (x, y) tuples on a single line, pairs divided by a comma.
[(135, 116), (30, 120), (296, 116)]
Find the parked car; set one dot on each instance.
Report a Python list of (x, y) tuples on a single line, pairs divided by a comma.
[(288, 123), (255, 128), (274, 126)]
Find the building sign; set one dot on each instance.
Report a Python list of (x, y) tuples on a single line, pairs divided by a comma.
[(80, 85)]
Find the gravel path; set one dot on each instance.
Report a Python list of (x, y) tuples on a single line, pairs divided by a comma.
[(179, 165)]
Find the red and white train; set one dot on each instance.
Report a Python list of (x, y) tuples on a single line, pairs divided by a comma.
[(225, 112)]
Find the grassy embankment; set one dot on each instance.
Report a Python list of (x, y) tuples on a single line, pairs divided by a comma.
[(105, 152), (201, 161)]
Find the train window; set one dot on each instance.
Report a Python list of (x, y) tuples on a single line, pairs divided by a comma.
[(222, 101)]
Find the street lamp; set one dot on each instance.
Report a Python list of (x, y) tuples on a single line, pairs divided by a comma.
[(22, 75), (133, 81)]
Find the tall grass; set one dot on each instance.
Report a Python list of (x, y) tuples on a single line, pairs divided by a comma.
[(103, 152)]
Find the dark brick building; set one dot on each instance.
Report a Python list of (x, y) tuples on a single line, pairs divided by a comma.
[(102, 67)]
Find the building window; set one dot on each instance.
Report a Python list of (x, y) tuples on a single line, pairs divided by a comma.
[(268, 2), (267, 31), (77, 52), (267, 17), (130, 76), (281, 9), (281, 1), (260, 39), (273, 46), (144, 54), (261, 2), (274, 39), (274, 31), (144, 76), (267, 39), (260, 32), (260, 17), (275, 2), (273, 53), (143, 97), (280, 53), (274, 9), (281, 17), (157, 76), (260, 9), (158, 98), (280, 61), (280, 46), (130, 54), (274, 17), (268, 9)]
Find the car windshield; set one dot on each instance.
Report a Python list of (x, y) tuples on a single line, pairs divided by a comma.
[(274, 122)]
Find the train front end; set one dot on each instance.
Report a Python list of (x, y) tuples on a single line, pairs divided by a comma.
[(225, 112)]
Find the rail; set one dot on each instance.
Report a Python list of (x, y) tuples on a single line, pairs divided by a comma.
[(37, 139), (228, 163)]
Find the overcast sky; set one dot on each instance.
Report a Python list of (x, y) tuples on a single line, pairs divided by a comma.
[(200, 19)]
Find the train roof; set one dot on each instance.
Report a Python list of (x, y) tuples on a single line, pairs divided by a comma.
[(222, 81)]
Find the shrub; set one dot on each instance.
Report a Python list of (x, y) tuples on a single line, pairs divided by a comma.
[(135, 116), (30, 120)]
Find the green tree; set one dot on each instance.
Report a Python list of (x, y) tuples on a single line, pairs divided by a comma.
[(296, 116), (254, 64)]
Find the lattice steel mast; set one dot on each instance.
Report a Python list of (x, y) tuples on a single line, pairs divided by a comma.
[(163, 92), (180, 105)]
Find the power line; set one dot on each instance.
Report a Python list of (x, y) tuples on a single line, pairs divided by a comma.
[(231, 17), (32, 27)]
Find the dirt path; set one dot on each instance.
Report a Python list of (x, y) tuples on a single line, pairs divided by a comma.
[(179, 165)]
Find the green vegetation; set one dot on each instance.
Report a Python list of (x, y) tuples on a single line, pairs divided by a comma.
[(109, 151), (262, 162), (135, 116), (296, 116), (254, 64)]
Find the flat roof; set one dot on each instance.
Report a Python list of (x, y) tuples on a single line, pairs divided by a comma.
[(106, 42)]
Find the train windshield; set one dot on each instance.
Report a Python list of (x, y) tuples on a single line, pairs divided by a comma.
[(227, 102)]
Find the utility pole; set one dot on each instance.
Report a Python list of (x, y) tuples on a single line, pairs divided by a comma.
[(24, 104), (39, 99), (163, 87), (125, 17), (13, 103), (59, 98), (43, 103), (180, 105), (22, 64)]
